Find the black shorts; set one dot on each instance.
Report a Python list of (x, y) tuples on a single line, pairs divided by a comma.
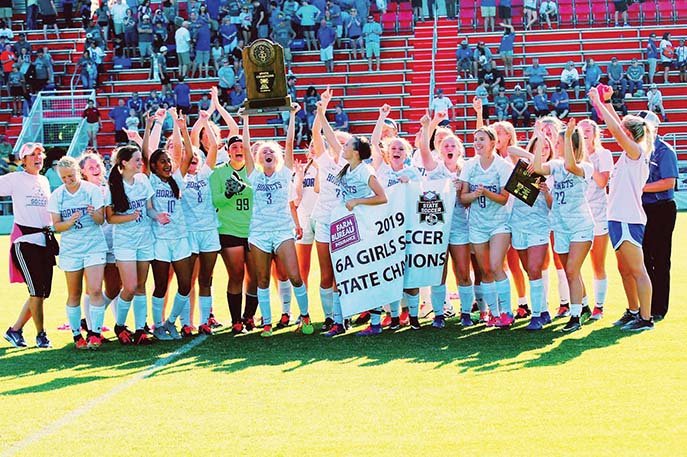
[(35, 264), (667, 64), (231, 241), (621, 6), (49, 19), (16, 91), (308, 28), (504, 12), (184, 109)]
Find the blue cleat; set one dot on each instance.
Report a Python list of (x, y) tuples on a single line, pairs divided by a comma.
[(439, 322), (371, 330), (535, 324), (466, 320), (545, 318)]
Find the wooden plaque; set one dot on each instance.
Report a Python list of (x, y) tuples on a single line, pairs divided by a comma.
[(263, 63), (524, 185)]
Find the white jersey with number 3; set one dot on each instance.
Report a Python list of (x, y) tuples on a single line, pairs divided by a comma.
[(271, 194)]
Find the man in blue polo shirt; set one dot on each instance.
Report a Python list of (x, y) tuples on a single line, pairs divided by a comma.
[(659, 205), (119, 114)]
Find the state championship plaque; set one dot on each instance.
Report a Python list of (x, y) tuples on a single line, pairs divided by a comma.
[(523, 184), (263, 63)]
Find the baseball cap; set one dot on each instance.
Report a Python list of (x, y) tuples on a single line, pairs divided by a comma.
[(145, 16), (29, 148), (517, 87), (650, 118), (163, 48)]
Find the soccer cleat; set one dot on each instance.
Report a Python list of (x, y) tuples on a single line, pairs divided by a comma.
[(638, 325), (327, 324), (466, 320), (266, 331), (337, 329), (124, 335), (626, 319), (438, 322), (237, 328), (395, 323), (204, 329), (449, 312), (585, 315), (84, 325), (186, 331), (248, 324), (535, 324), (172, 330), (563, 311), (371, 330), (505, 320), (15, 338), (212, 322), (283, 321), (415, 323), (597, 313), (545, 318), (160, 333), (363, 318), (386, 321), (485, 317), (80, 342), (95, 341), (305, 326), (523, 312), (42, 341), (147, 329), (572, 325), (141, 338), (492, 321), (405, 317)]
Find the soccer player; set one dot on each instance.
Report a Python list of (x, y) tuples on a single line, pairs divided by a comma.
[(76, 208), (268, 237), (305, 190), (573, 226), (127, 210), (626, 217)]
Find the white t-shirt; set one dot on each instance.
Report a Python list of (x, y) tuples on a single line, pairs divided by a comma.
[(329, 190), (485, 213), (196, 201), (356, 183), (134, 234), (29, 202), (625, 189), (440, 105), (388, 177), (569, 76), (182, 39), (271, 211), (602, 160), (164, 201), (570, 211), (85, 236), (308, 196)]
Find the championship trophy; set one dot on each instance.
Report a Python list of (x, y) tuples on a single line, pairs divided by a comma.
[(263, 64)]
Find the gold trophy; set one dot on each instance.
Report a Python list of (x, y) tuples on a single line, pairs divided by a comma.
[(263, 64)]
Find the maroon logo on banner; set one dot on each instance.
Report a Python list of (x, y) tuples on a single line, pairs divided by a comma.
[(344, 232)]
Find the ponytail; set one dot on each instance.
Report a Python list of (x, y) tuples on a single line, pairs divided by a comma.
[(343, 172), (120, 202)]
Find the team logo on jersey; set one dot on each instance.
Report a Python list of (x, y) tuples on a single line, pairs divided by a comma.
[(233, 185), (430, 208)]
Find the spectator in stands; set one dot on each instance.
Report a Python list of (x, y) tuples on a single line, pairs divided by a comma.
[(635, 77), (488, 10), (182, 39), (260, 19), (202, 48), (681, 60), (655, 101), (229, 33), (340, 119), (492, 77), (481, 56), (89, 71), (8, 58), (143, 9), (334, 11), (621, 7), (482, 94), (204, 103), (291, 88), (652, 55), (560, 102), (616, 77), (570, 78), (308, 15), (130, 33), (541, 102), (417, 9), (227, 79), (618, 103), (310, 102), (246, 21), (501, 105), (135, 103), (104, 15), (289, 8), (592, 74), (6, 13), (49, 16), (24, 61), (53, 176), (153, 100), (17, 87), (159, 68), (21, 43), (372, 31), (93, 123), (354, 30), (133, 121), (505, 12), (548, 11), (216, 55), (118, 114), (519, 107), (43, 71), (464, 62), (167, 96), (506, 48), (5, 30), (326, 36), (441, 104), (160, 28), (97, 54), (85, 11), (145, 39), (118, 13), (182, 94), (535, 76), (283, 34), (236, 97), (667, 55), (530, 10), (31, 14)]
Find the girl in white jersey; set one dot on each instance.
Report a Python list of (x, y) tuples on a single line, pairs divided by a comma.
[(172, 248), (356, 185), (269, 235), (602, 160), (306, 189), (484, 179), (626, 217), (196, 200), (451, 153), (127, 210), (573, 226), (76, 208)]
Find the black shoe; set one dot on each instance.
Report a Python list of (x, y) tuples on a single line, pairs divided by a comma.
[(657, 318), (146, 329), (327, 324), (572, 325), (523, 312), (42, 341), (415, 323), (626, 319), (283, 321), (395, 323), (347, 324), (639, 325), (363, 318), (586, 314)]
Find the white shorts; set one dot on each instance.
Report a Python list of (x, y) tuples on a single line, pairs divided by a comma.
[(308, 224), (460, 234), (172, 250), (521, 240), (142, 254), (269, 241), (562, 240), (322, 232), (600, 220), (77, 263), (205, 241), (483, 236)]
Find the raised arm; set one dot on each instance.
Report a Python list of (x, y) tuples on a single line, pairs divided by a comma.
[(211, 158), (607, 112), (477, 106), (228, 119), (384, 111), (290, 136), (156, 132), (537, 165), (198, 126), (145, 147), (569, 155), (187, 155), (247, 154), (427, 160)]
